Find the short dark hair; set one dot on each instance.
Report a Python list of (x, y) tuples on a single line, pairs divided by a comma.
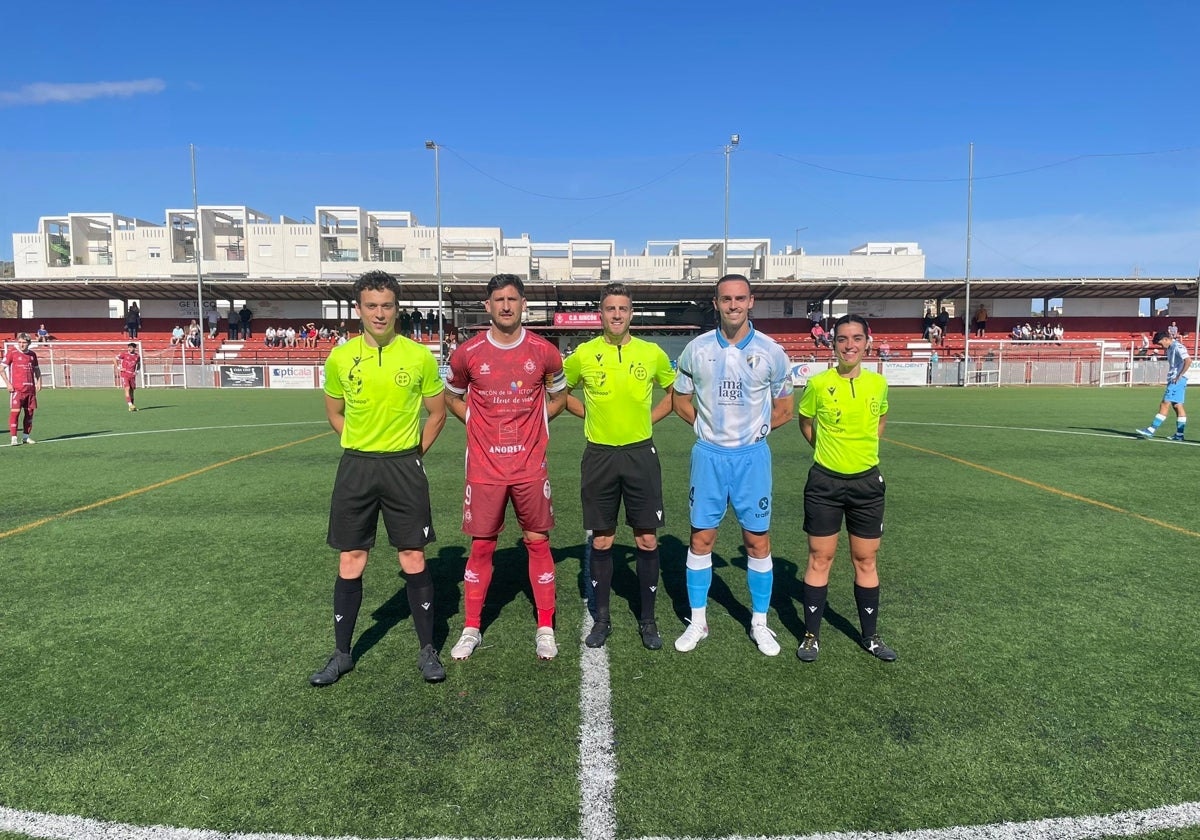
[(729, 278), (619, 289), (852, 318), (1160, 335), (132, 346), (501, 281), (376, 281)]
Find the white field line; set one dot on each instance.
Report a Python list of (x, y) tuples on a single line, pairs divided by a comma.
[(597, 761), (222, 427), (1124, 824), (1110, 435)]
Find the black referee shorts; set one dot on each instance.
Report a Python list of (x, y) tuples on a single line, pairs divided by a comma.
[(369, 483), (828, 496), (609, 474)]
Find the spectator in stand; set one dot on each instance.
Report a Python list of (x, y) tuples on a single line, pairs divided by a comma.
[(43, 335), (819, 337), (1144, 350), (323, 333), (927, 324), (1026, 332), (1016, 332), (942, 321), (245, 317), (981, 321), (405, 321), (289, 336), (341, 338), (269, 337), (1173, 331), (133, 320), (234, 332), (213, 317), (177, 335), (935, 334), (193, 333), (1058, 332), (885, 351), (23, 379), (418, 320), (310, 334)]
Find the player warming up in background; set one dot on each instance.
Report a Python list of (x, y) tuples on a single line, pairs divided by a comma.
[(506, 384), (128, 363), (734, 386), (1178, 362), (23, 379), (842, 414), (618, 373), (375, 388)]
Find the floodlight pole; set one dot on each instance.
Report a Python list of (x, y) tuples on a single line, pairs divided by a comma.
[(967, 314), (437, 199), (199, 268), (734, 139)]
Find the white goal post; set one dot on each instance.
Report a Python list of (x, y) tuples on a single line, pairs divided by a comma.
[(86, 364)]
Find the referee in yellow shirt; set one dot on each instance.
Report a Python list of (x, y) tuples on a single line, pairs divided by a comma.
[(842, 415), (618, 373)]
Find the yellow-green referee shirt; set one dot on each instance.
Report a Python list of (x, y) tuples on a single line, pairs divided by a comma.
[(847, 413), (618, 387), (384, 389)]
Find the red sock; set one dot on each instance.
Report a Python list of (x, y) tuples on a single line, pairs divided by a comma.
[(541, 578), (476, 579), (12, 422)]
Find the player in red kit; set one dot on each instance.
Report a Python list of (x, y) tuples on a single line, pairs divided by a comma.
[(505, 385), (128, 362), (23, 378)]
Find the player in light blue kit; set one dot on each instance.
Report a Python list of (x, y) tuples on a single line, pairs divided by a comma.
[(734, 386), (1178, 362)]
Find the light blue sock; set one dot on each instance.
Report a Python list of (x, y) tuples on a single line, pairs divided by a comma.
[(699, 579), (1158, 421), (760, 576), (1179, 425)]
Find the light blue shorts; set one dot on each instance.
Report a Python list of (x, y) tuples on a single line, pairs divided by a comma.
[(722, 476), (1176, 391)]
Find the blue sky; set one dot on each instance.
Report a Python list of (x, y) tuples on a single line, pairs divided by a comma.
[(608, 120)]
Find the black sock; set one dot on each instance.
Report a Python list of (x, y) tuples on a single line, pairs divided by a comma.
[(867, 598), (420, 602), (602, 573), (347, 598), (647, 572), (814, 607)]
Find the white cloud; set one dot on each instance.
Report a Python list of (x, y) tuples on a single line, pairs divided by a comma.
[(42, 93)]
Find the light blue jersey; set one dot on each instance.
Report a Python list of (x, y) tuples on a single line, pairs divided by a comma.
[(733, 386), (1177, 354)]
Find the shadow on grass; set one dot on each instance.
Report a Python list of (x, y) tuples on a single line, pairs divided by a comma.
[(446, 570)]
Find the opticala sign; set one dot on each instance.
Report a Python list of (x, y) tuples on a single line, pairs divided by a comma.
[(292, 376)]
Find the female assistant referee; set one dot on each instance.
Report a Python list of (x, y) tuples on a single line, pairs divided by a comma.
[(842, 414)]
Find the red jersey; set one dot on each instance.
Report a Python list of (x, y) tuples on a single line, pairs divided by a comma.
[(21, 369), (505, 388), (129, 363)]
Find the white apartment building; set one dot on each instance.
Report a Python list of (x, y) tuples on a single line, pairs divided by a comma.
[(341, 242)]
